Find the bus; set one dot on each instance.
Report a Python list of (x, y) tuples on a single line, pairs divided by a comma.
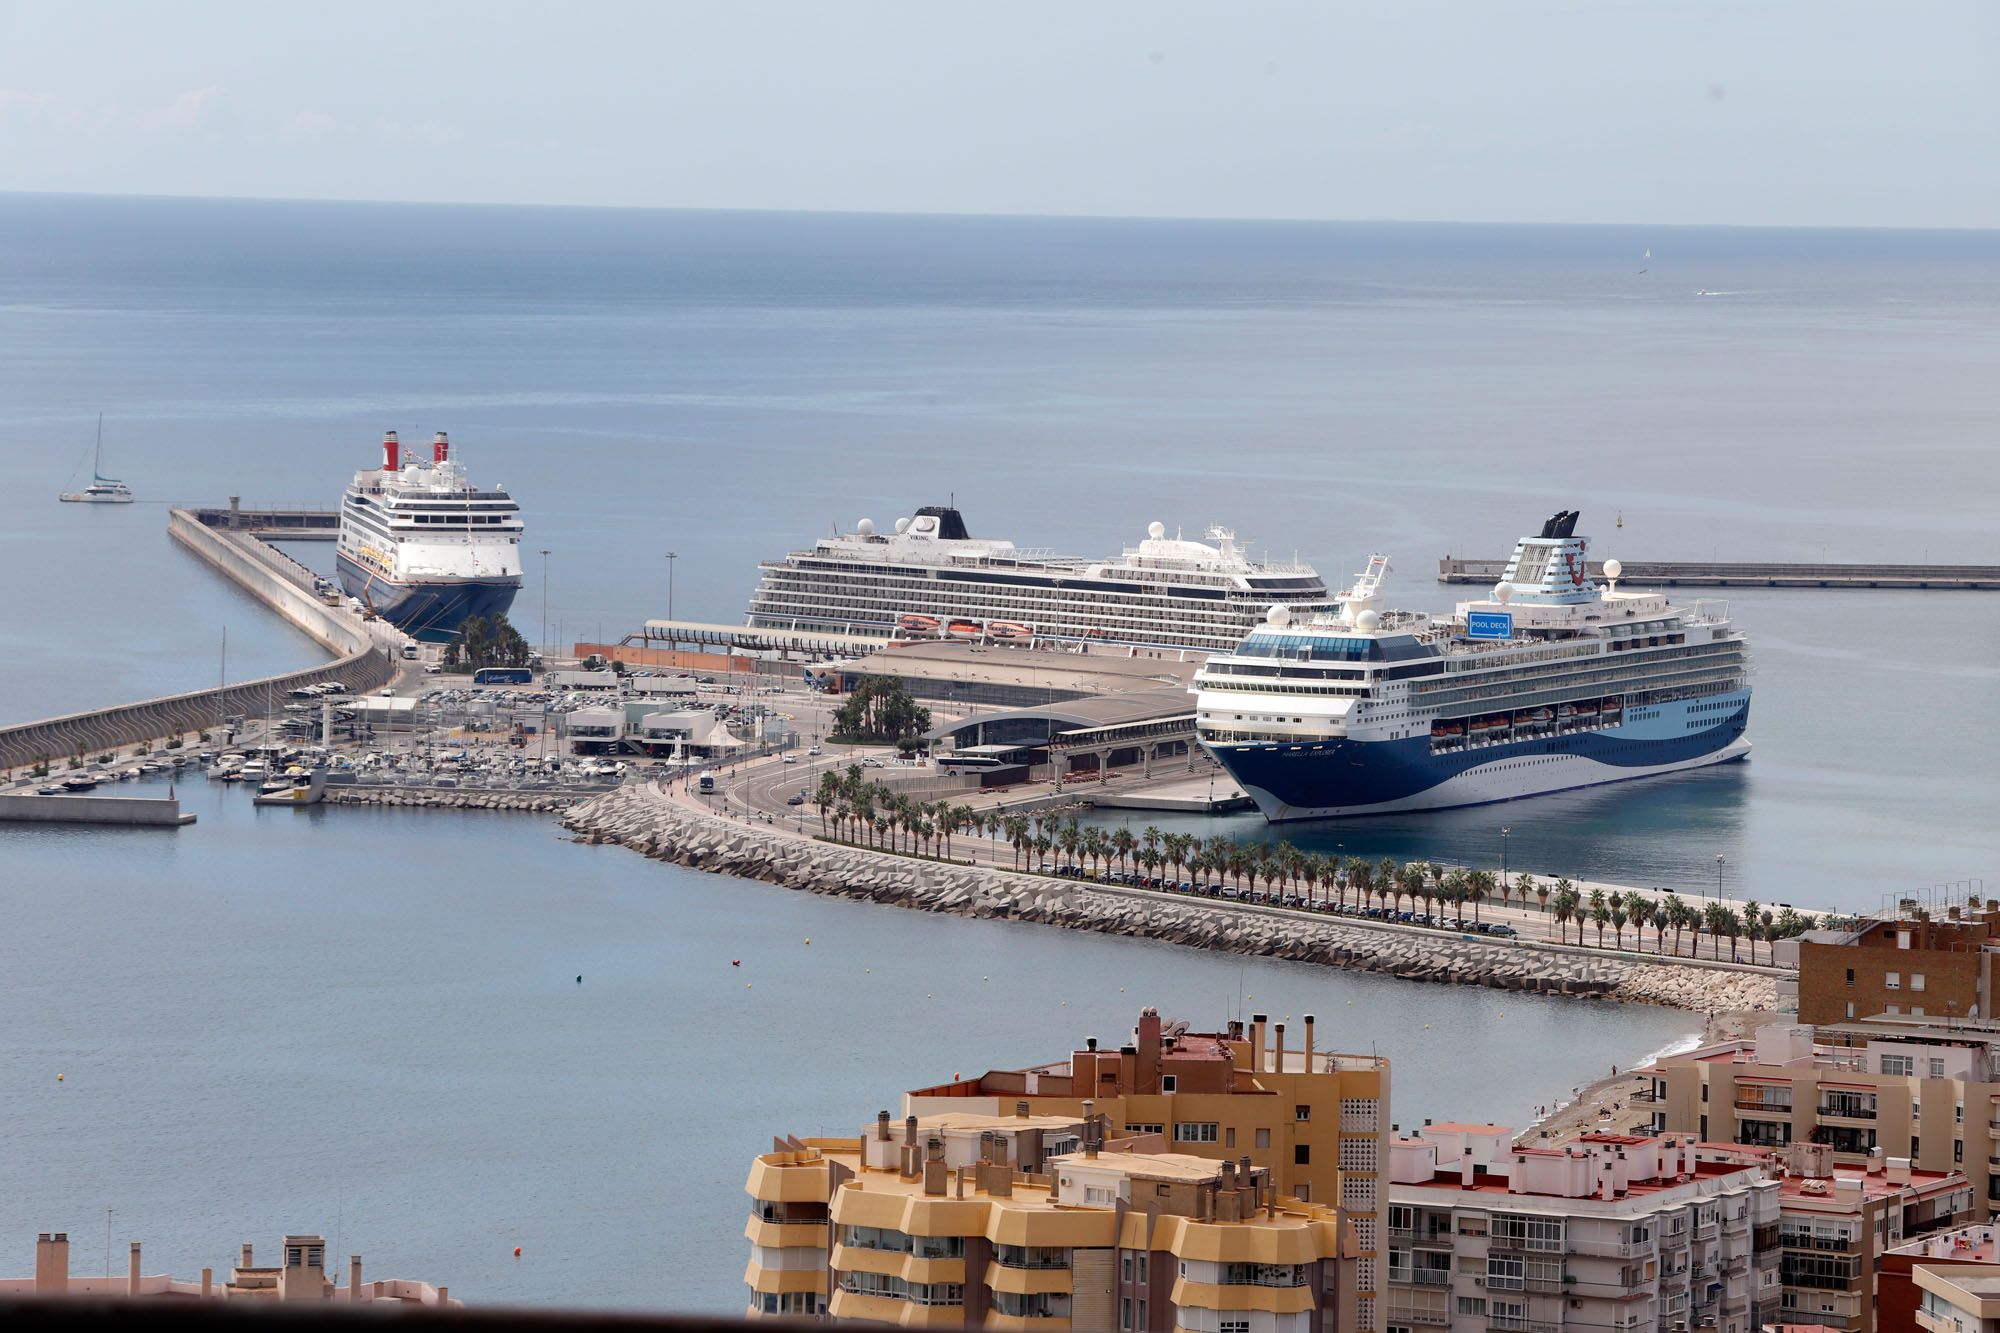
[(969, 763), (705, 783), (503, 676)]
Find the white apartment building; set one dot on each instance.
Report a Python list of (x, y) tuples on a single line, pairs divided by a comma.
[(1612, 1232)]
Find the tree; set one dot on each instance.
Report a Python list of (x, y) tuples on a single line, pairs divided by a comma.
[(1478, 884), (879, 712), (1565, 910), (480, 642), (1753, 922)]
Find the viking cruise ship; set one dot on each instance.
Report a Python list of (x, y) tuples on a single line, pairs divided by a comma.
[(1549, 684), (424, 548), (930, 578)]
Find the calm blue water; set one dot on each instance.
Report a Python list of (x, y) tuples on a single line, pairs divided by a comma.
[(365, 1015), (368, 1022)]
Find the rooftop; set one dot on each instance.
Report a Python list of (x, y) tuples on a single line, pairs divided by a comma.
[(1851, 1184), (1969, 1245)]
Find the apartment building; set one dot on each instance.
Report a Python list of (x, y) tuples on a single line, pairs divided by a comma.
[(1911, 965), (1914, 1088), (300, 1275), (1617, 1232), (1974, 1249), (1958, 1302), (1042, 1223), (1315, 1122)]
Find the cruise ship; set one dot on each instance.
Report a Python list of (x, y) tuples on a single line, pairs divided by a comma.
[(1551, 683), (930, 578), (423, 547)]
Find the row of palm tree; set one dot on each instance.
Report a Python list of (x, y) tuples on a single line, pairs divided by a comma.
[(853, 808)]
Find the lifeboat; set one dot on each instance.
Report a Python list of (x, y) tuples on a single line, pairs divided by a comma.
[(1534, 717), (1587, 709), (964, 629), (917, 624), (1448, 728), (1611, 709), (1009, 629)]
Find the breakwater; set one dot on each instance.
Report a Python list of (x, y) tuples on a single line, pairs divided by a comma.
[(1752, 574), (646, 820), (121, 811), (455, 798), (367, 656)]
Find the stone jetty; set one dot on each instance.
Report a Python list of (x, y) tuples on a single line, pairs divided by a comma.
[(648, 821), (453, 798)]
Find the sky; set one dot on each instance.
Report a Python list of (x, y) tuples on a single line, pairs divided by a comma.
[(1803, 112)]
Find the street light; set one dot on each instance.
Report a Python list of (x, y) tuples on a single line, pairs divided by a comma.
[(1504, 831), (1718, 878), (545, 599), (671, 557)]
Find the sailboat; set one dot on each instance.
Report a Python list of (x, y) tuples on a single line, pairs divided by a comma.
[(102, 490)]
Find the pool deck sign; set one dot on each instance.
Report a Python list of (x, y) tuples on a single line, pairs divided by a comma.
[(1489, 624)]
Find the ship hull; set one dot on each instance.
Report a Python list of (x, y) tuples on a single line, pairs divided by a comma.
[(429, 609), (1343, 778)]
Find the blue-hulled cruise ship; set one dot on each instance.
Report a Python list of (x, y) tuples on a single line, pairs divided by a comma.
[(1551, 683), (422, 546)]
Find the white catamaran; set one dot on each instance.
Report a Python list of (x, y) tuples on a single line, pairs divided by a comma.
[(102, 490)]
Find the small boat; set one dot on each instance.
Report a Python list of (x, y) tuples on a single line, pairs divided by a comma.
[(231, 774), (1611, 709), (917, 624), (131, 773), (102, 490), (1535, 717), (1453, 728), (964, 629), (1009, 629), (48, 791), (81, 782)]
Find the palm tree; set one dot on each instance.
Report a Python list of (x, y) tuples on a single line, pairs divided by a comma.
[(825, 797), (1564, 909), (1361, 876), (1752, 921), (1455, 890), (1600, 915), (1150, 840), (1712, 919), (1123, 844), (1617, 924), (1662, 916), (1766, 924), (1478, 884), (1541, 891)]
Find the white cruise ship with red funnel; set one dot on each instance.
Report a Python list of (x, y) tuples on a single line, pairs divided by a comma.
[(423, 546)]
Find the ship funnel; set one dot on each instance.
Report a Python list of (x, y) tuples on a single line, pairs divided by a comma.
[(391, 452), (440, 448)]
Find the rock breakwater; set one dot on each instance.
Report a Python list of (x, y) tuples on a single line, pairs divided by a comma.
[(447, 798), (649, 822)]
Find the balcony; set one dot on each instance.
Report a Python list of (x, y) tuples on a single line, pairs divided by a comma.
[(1611, 1249), (1708, 1230), (1421, 1277), (1847, 1110), (1403, 1314), (1758, 1106)]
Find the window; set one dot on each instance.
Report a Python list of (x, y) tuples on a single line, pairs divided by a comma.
[(1302, 1154), (1142, 1282), (1916, 981), (1472, 1305), (1137, 1128), (1125, 1315), (1233, 1326), (1194, 1131), (1850, 976), (1505, 1271), (1263, 1138), (1169, 1082), (1229, 1137), (1125, 1265), (1901, 1065), (1850, 1008), (1892, 981), (1302, 1113), (1142, 1313)]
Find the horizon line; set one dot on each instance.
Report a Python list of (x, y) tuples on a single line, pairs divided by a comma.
[(1025, 216)]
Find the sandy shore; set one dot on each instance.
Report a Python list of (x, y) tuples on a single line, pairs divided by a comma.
[(1610, 1105)]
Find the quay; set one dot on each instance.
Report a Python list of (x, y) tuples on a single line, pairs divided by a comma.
[(1752, 574), (292, 525), (125, 811), (367, 652)]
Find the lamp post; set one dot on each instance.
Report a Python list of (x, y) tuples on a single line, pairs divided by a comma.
[(1718, 878), (671, 557), (1504, 831), (545, 599)]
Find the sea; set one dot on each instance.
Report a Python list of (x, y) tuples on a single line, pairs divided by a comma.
[(368, 1023)]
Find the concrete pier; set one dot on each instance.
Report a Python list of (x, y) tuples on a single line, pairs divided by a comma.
[(130, 811), (1750, 574), (368, 652)]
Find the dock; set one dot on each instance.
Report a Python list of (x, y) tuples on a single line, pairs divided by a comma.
[(1194, 796), (289, 525), (121, 811), (366, 652), (1753, 574)]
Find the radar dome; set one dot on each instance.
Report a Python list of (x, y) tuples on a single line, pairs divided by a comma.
[(1368, 621), (866, 527), (1503, 592), (1612, 569), (1156, 529), (903, 524), (1279, 615)]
